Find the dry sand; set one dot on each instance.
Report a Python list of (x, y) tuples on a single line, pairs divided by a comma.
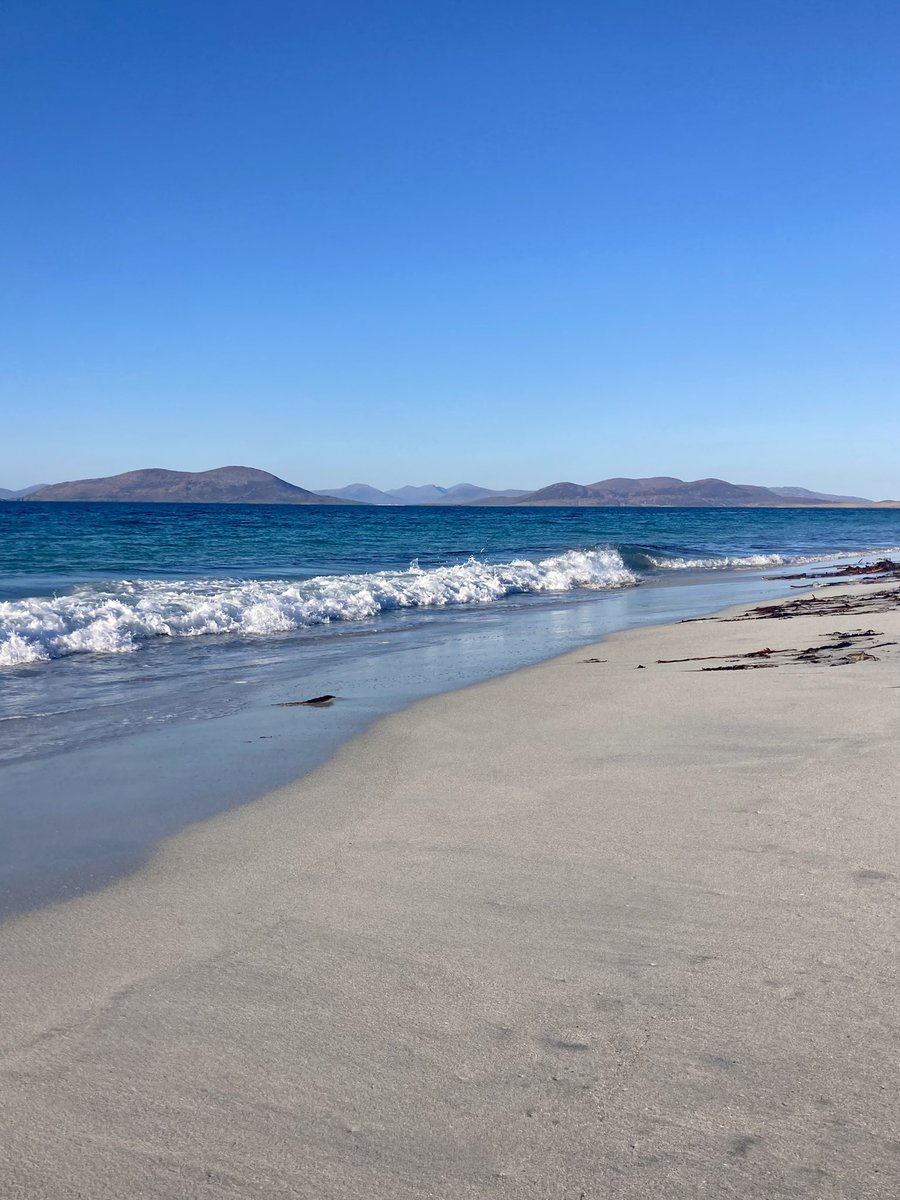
[(582, 931)]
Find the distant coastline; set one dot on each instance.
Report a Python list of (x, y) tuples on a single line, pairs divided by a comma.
[(249, 485)]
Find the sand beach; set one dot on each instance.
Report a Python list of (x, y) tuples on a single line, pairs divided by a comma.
[(604, 927)]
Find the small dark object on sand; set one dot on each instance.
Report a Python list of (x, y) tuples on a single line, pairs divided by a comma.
[(765, 653), (759, 666), (595, 660), (315, 702)]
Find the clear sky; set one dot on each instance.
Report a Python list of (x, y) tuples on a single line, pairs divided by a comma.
[(504, 242)]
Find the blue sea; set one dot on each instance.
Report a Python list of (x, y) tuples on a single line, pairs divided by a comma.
[(145, 650)]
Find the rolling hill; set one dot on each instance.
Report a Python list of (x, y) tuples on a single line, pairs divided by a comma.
[(247, 485), (665, 491), (224, 485), (9, 494), (363, 493)]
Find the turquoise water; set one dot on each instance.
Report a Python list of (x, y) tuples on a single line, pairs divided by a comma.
[(48, 546), (99, 595), (144, 650)]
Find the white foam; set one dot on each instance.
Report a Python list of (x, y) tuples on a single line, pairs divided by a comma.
[(749, 561), (118, 618), (735, 562), (718, 564)]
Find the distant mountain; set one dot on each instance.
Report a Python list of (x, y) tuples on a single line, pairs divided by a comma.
[(467, 493), (246, 485), (426, 494), (665, 491), (799, 493), (460, 493), (556, 493), (362, 492), (6, 494), (429, 493), (225, 485)]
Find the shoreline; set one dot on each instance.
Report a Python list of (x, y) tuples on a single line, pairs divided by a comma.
[(581, 928), (89, 815)]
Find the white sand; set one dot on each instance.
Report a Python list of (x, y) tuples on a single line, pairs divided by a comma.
[(583, 931)]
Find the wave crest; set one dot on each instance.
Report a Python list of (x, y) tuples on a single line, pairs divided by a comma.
[(731, 562), (120, 617)]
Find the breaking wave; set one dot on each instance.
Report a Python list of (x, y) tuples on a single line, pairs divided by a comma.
[(749, 561), (120, 617), (728, 562)]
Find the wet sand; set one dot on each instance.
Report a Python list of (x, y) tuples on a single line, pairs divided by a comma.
[(586, 930)]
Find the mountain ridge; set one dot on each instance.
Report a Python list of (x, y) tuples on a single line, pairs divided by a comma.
[(156, 485), (364, 493), (666, 491), (799, 493), (249, 485), (428, 493), (19, 493)]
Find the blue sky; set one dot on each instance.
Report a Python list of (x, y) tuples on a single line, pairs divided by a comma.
[(403, 242)]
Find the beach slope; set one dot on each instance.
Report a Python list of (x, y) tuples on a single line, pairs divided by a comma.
[(615, 928)]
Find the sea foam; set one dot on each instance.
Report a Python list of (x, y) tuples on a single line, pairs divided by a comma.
[(759, 561), (120, 617), (725, 562)]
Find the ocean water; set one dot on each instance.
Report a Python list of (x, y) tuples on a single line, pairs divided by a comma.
[(144, 649)]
